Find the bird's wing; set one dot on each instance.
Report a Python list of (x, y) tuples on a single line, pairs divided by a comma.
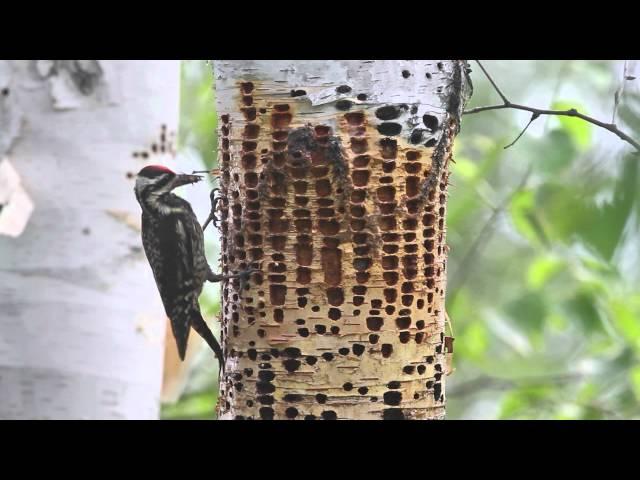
[(176, 279), (169, 249)]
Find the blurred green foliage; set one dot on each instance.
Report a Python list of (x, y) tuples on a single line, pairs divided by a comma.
[(193, 406), (544, 265), (198, 120)]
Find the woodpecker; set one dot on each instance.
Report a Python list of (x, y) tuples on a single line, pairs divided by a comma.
[(173, 243)]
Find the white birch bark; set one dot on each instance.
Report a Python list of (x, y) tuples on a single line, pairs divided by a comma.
[(81, 324)]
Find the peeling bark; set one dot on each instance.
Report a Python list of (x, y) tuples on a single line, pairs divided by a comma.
[(79, 83), (81, 322), (334, 184), (11, 116)]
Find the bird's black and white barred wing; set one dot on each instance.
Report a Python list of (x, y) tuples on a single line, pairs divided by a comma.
[(169, 247)]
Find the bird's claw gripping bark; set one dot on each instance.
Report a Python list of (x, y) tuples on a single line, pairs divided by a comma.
[(243, 275), (214, 208)]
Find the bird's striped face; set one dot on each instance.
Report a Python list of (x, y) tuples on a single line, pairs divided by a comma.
[(154, 181)]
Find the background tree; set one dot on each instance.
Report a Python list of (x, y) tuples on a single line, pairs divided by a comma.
[(81, 324)]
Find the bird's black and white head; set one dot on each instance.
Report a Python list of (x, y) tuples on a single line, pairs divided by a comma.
[(154, 183)]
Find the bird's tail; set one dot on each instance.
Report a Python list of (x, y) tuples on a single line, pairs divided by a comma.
[(184, 312), (200, 326), (181, 326)]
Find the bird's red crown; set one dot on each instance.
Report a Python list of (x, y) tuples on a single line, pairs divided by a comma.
[(151, 170)]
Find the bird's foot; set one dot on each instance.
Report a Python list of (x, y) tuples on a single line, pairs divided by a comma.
[(242, 275), (214, 208)]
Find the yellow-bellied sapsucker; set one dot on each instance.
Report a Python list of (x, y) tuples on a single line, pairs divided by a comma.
[(173, 242)]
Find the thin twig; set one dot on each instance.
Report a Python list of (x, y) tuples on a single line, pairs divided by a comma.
[(446, 316), (533, 117), (502, 96), (572, 112), (567, 113)]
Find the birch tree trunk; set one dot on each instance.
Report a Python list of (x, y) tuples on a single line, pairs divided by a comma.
[(81, 324), (334, 184)]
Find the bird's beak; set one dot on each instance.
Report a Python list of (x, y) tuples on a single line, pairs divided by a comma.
[(184, 179)]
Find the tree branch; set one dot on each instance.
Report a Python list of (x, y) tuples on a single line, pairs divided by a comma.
[(572, 112)]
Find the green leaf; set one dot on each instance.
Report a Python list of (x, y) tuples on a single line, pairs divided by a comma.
[(557, 322), (521, 208), (464, 168), (578, 130), (512, 404), (542, 270), (528, 311), (609, 220), (597, 266), (587, 393), (625, 316), (553, 152), (582, 309), (569, 213), (518, 401), (561, 211), (474, 342)]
